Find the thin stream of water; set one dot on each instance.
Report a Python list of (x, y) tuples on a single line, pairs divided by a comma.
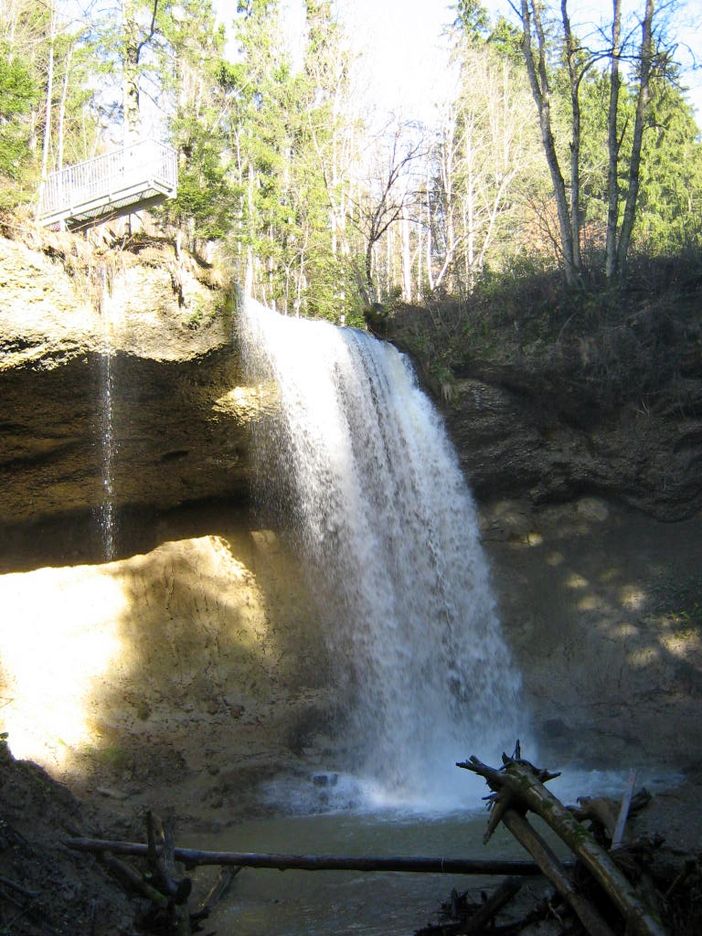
[(106, 511)]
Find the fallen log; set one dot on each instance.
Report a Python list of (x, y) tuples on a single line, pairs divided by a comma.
[(132, 879), (475, 924), (602, 813), (523, 781), (591, 920), (13, 885), (192, 857)]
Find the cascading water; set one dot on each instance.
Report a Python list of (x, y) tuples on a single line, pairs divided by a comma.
[(106, 509), (369, 486)]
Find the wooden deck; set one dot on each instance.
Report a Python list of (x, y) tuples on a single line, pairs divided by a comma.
[(127, 180)]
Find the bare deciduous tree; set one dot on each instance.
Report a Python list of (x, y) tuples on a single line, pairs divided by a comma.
[(388, 193)]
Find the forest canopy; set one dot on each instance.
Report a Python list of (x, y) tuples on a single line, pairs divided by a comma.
[(556, 151)]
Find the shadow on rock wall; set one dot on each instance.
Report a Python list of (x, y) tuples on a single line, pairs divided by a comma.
[(603, 609)]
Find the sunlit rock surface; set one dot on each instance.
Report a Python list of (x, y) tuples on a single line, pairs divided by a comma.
[(197, 658)]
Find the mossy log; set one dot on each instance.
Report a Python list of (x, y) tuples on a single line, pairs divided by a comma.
[(592, 921)]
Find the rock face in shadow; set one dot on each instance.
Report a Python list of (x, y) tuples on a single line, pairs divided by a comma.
[(612, 410), (602, 607), (519, 439)]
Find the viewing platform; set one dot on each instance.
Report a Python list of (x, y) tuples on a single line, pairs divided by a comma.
[(134, 177)]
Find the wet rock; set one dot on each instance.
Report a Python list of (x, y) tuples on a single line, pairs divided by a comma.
[(325, 779)]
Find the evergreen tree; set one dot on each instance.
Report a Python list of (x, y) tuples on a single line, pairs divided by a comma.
[(19, 94), (196, 80)]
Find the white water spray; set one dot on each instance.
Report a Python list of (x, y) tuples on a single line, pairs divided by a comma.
[(380, 511)]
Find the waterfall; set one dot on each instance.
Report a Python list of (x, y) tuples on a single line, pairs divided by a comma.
[(361, 470), (105, 427)]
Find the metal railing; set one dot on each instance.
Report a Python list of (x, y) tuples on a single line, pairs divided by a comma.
[(134, 172)]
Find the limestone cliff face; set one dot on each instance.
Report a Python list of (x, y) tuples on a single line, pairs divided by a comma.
[(132, 347), (197, 656)]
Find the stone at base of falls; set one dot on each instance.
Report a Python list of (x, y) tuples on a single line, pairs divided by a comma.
[(325, 779)]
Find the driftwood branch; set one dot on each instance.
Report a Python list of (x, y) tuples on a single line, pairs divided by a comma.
[(160, 849), (217, 893), (476, 924), (556, 873), (526, 783), (132, 879), (13, 885)]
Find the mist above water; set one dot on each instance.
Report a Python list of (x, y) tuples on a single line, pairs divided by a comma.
[(363, 476)]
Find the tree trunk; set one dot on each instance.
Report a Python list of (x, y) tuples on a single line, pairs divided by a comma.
[(62, 109), (574, 82), (406, 262), (645, 68), (555, 872), (541, 91), (193, 857), (613, 146), (46, 149), (428, 246), (130, 72)]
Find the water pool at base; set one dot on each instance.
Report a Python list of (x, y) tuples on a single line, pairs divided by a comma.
[(265, 902), (312, 903)]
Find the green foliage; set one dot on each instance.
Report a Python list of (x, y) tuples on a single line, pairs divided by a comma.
[(670, 200), (204, 196), (471, 19), (670, 192), (18, 90), (18, 95), (507, 39)]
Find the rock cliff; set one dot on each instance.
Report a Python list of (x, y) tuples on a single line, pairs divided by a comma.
[(134, 348), (208, 670), (617, 412), (156, 336)]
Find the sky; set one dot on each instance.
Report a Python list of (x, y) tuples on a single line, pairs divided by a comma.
[(404, 57)]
